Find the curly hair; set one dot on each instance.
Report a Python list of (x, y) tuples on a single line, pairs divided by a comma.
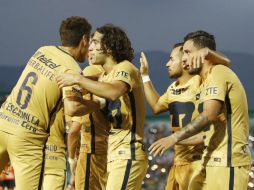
[(116, 40), (72, 30), (202, 39)]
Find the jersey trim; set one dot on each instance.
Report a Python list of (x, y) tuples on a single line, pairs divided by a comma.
[(133, 128), (92, 133), (229, 128), (64, 52), (126, 174), (88, 162), (231, 178)]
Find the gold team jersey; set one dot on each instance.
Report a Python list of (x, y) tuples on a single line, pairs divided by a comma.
[(94, 133), (227, 138), (35, 99), (95, 127), (56, 143), (126, 114), (183, 107)]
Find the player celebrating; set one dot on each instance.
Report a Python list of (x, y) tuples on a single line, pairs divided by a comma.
[(121, 85), (223, 117), (31, 108), (180, 101)]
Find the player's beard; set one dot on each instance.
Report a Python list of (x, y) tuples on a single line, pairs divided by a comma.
[(195, 71)]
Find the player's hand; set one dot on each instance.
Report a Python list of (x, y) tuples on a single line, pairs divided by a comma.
[(163, 144), (67, 79), (73, 165), (197, 58), (144, 67), (72, 183)]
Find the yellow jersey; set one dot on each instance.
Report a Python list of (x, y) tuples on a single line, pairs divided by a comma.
[(183, 107), (226, 139), (56, 143), (34, 100), (126, 114)]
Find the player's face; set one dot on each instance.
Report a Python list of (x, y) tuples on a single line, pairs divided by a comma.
[(174, 64), (96, 54), (188, 48), (84, 50)]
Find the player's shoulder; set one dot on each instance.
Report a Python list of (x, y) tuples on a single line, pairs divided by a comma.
[(221, 72), (93, 70), (126, 65), (220, 69)]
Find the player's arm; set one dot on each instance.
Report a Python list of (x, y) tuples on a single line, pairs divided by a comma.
[(198, 57), (211, 110), (152, 96), (72, 143), (191, 141), (76, 106), (111, 91), (217, 57)]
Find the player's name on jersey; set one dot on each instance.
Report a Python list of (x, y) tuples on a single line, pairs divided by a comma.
[(29, 120)]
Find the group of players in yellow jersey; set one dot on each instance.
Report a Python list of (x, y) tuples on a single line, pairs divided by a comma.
[(104, 109)]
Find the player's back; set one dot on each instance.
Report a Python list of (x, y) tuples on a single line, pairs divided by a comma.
[(36, 96)]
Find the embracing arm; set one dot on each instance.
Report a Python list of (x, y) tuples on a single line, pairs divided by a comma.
[(76, 106), (192, 141), (111, 91), (211, 109)]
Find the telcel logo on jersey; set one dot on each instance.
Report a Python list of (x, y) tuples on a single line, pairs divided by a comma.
[(48, 62)]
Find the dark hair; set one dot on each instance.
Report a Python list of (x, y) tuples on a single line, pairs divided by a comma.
[(178, 45), (116, 40), (72, 30), (201, 39)]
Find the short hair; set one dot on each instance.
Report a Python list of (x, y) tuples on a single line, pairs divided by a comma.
[(201, 39), (180, 44), (72, 30), (115, 39)]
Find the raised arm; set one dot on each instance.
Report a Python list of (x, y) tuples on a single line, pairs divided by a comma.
[(152, 96)]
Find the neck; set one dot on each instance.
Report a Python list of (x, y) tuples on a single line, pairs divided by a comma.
[(71, 51), (184, 78), (109, 64), (205, 69)]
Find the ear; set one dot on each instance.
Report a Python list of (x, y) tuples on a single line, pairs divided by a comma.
[(85, 40)]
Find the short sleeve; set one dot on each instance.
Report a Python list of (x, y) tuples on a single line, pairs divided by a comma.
[(215, 87)]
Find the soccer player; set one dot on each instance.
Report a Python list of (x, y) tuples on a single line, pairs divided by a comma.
[(31, 108), (91, 167), (180, 101), (121, 86), (223, 117)]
